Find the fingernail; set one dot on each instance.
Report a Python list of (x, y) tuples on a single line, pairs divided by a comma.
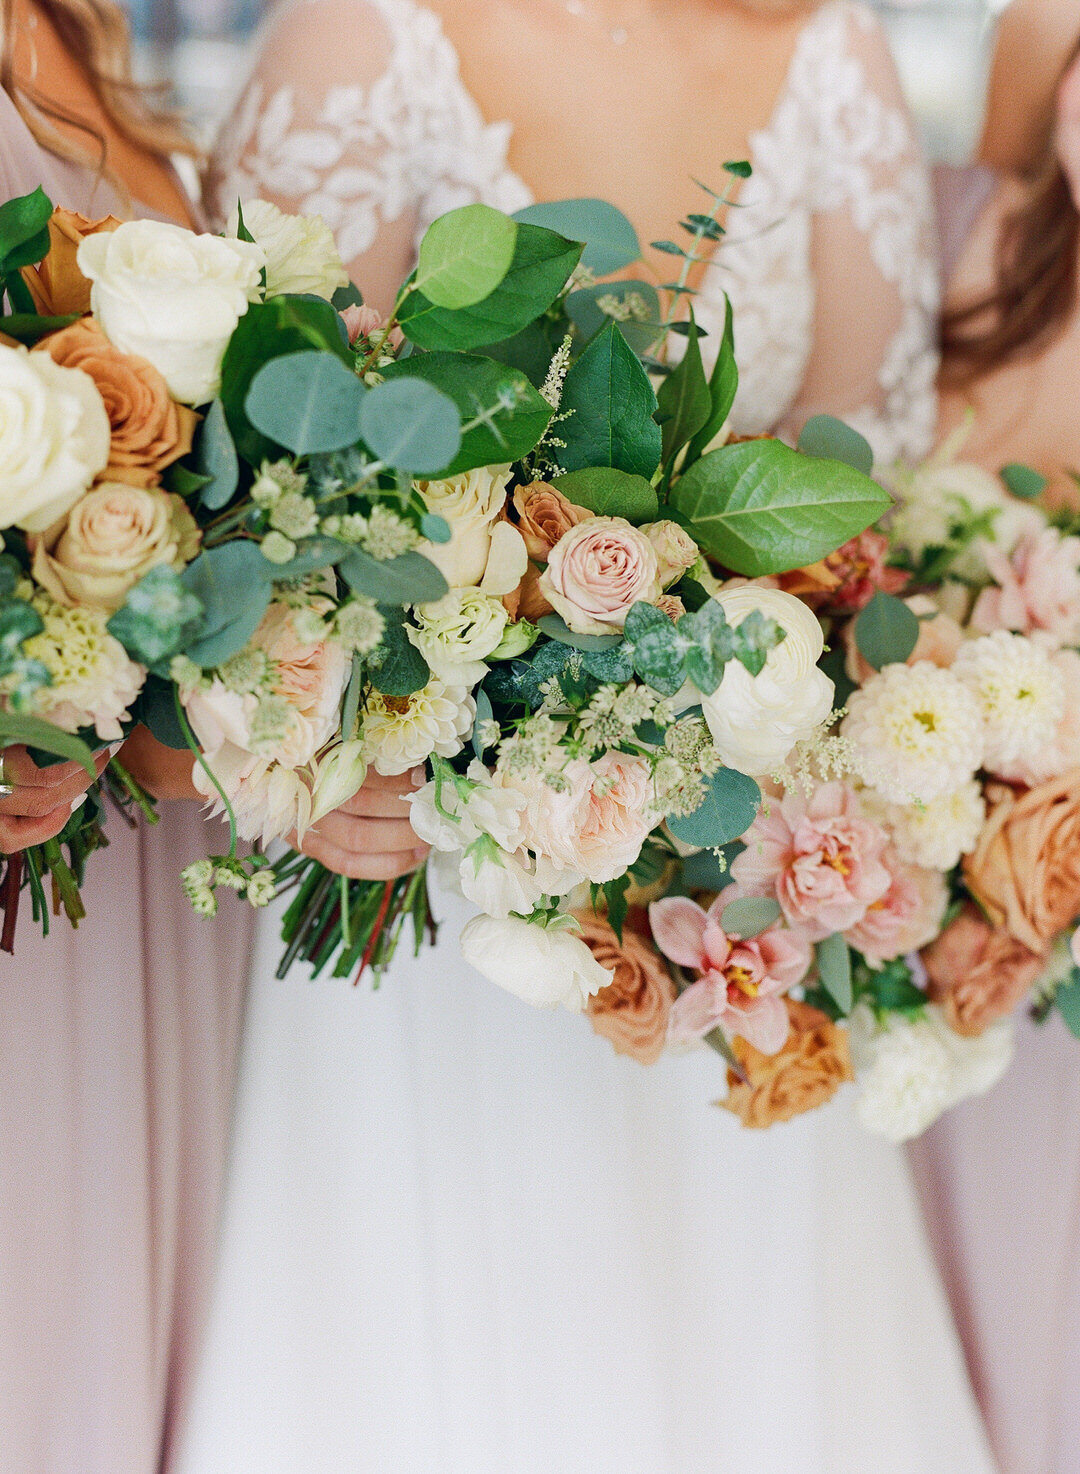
[(78, 803), (419, 777)]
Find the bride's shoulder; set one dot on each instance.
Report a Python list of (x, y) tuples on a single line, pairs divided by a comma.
[(842, 59)]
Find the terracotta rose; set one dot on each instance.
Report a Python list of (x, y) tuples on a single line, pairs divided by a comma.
[(633, 1010), (806, 1073), (56, 284), (978, 973), (544, 515), (1025, 871)]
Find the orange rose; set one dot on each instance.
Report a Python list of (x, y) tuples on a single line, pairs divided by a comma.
[(633, 1010), (544, 516), (807, 1072), (149, 429), (1025, 870), (978, 973), (56, 284)]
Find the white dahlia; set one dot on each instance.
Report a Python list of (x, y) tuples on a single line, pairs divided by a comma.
[(403, 731), (937, 834), (1020, 693), (914, 732)]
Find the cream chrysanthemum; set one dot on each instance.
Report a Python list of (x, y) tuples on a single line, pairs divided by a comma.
[(914, 733), (93, 680), (934, 835), (1020, 693), (402, 731)]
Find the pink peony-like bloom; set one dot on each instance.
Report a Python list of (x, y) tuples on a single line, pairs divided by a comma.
[(820, 858), (862, 570), (1062, 753), (1039, 591), (740, 986), (597, 571), (908, 916)]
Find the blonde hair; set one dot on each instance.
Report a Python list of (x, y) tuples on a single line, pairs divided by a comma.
[(95, 33)]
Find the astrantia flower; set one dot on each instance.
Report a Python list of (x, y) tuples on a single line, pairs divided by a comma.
[(935, 835), (914, 732), (401, 731), (94, 681), (1020, 693)]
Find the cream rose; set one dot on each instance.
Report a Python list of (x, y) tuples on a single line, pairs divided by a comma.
[(109, 539), (755, 721), (172, 297), (676, 550), (470, 504), (54, 438), (300, 252), (545, 966), (597, 572)]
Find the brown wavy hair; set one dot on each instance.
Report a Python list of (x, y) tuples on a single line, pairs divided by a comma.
[(96, 34), (1037, 276)]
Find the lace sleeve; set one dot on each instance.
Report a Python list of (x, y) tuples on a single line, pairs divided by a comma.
[(874, 256)]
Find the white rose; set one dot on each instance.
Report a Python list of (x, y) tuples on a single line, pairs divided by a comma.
[(172, 297), (54, 438), (755, 721), (453, 813), (498, 883), (458, 632), (301, 256), (545, 966), (470, 504)]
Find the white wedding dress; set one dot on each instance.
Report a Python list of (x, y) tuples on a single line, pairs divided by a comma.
[(463, 1236)]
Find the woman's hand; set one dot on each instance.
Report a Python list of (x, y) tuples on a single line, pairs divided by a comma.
[(1068, 129), (165, 772), (42, 800), (370, 837)]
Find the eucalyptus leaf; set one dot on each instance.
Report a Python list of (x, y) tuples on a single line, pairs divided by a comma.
[(411, 425), (749, 916), (556, 629), (611, 242), (610, 493), (830, 439), (408, 579), (465, 255), (609, 404), (397, 668), (615, 665), (658, 649), (1067, 1002), (308, 402), (17, 728), (730, 804), (312, 554), (705, 871), (684, 399), (1023, 481), (484, 713), (233, 584), (216, 459), (436, 529), (834, 971), (886, 631)]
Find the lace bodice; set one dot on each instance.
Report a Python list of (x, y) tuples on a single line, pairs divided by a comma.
[(830, 265)]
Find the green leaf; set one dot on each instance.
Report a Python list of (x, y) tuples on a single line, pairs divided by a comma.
[(892, 989), (834, 971), (730, 805), (185, 482), (831, 440), (762, 508), (465, 255), (514, 416), (347, 296), (749, 916), (158, 616), (610, 406), (541, 266), (312, 554), (723, 386), (233, 583), (397, 668), (156, 709), (886, 631), (642, 324), (1023, 481), (27, 327), (610, 493), (24, 222), (610, 240), (411, 425), (705, 871), (1067, 1001), (216, 459), (615, 666), (684, 399), (484, 713), (529, 351), (436, 529), (16, 728), (658, 649), (556, 629), (408, 579), (739, 168), (309, 402), (615, 895)]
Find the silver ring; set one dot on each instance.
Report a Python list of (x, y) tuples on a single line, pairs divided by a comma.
[(6, 788)]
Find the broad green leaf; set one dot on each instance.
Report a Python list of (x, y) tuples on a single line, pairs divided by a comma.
[(215, 458), (529, 351), (1023, 481), (886, 631), (834, 971), (610, 493), (308, 402), (634, 306), (892, 988), (705, 871), (233, 584), (465, 255), (749, 916), (684, 399), (28, 731), (1067, 1000), (541, 266), (762, 508), (156, 709), (731, 801), (609, 404), (185, 482), (610, 240), (411, 425), (512, 415), (831, 440), (723, 386), (397, 668), (556, 629), (347, 296), (24, 221), (312, 553), (409, 579), (28, 328)]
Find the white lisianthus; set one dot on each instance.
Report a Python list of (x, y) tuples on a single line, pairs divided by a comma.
[(1020, 693), (452, 814), (545, 966), (915, 733), (402, 731), (94, 680), (755, 721), (458, 632), (339, 775), (937, 834), (54, 438), (172, 297), (301, 256), (470, 504)]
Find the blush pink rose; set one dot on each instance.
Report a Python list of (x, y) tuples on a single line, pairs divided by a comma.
[(597, 571), (1039, 589), (908, 916), (820, 858), (740, 985), (1062, 753)]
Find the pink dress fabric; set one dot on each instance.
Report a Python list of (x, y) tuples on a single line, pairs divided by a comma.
[(117, 1049)]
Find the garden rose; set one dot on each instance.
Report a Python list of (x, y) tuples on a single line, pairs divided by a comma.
[(979, 973), (457, 633), (597, 572), (632, 1011), (596, 823), (56, 284), (805, 1074), (544, 516), (676, 550), (301, 256), (545, 966)]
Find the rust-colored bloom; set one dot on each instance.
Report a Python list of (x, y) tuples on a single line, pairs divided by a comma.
[(56, 284), (632, 1011), (544, 515), (806, 1073), (979, 973)]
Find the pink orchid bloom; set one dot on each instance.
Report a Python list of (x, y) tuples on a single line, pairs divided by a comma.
[(740, 984)]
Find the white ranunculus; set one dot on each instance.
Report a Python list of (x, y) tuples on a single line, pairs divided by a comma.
[(500, 884), (470, 504), (755, 721), (545, 966), (301, 256), (172, 297), (457, 633), (54, 438)]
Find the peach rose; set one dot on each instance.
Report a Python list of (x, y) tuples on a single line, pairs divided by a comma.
[(633, 1010), (109, 539), (979, 973), (1025, 870), (806, 1073), (544, 516), (56, 284), (940, 638), (149, 429), (597, 572)]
